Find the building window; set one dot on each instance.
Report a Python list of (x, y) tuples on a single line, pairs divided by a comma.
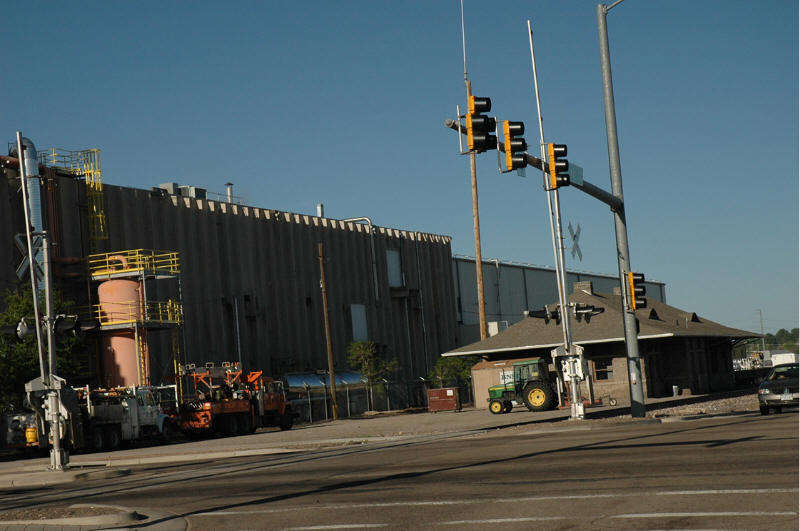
[(358, 315), (394, 268), (603, 369)]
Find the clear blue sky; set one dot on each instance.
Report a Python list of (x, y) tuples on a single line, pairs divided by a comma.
[(343, 103)]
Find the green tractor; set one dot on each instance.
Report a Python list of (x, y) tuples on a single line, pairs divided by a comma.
[(533, 384)]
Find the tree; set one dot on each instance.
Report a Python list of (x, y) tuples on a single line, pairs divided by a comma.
[(19, 360), (452, 370), (782, 339), (363, 356)]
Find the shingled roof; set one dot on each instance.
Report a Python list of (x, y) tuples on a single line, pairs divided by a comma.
[(657, 320)]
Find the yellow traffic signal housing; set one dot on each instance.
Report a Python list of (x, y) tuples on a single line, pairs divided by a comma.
[(515, 147), (479, 125), (558, 166), (637, 291)]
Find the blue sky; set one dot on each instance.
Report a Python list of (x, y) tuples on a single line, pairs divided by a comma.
[(343, 103)]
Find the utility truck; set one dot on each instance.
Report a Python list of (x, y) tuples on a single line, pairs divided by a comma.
[(102, 419), (223, 400)]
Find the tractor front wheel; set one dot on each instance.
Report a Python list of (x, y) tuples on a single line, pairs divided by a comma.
[(538, 396), (496, 407)]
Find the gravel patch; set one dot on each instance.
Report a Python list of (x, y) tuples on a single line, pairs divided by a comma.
[(48, 513), (737, 404)]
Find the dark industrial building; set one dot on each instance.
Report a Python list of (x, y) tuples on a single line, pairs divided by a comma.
[(249, 277)]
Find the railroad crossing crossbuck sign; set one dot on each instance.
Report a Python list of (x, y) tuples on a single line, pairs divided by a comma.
[(575, 235), (22, 245)]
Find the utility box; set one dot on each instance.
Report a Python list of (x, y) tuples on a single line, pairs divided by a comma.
[(445, 399)]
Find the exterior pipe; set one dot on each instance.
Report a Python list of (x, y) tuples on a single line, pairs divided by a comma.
[(34, 186), (368, 221)]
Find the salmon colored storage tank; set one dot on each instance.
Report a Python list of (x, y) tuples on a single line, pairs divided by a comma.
[(120, 302), (119, 360)]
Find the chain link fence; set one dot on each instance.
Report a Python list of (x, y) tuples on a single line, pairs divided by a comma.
[(313, 403)]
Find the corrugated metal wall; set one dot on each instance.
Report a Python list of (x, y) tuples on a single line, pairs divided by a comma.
[(509, 289), (263, 265)]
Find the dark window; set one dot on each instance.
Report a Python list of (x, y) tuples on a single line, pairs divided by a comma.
[(603, 369)]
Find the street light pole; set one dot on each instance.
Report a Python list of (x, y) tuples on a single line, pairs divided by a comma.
[(623, 256)]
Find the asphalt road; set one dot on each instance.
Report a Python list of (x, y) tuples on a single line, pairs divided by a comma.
[(731, 472)]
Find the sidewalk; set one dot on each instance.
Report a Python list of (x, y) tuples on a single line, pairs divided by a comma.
[(33, 473)]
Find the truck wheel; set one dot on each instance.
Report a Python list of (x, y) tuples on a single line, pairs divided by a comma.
[(496, 407), (96, 439), (166, 432), (231, 426), (244, 424), (538, 396), (112, 437), (287, 420), (508, 406), (764, 410)]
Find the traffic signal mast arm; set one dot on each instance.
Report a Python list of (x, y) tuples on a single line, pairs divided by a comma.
[(595, 191)]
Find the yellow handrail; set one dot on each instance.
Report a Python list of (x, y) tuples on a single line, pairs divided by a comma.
[(130, 312), (133, 261)]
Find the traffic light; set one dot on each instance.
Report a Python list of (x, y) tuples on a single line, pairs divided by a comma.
[(558, 165), (545, 314), (636, 291), (515, 147), (21, 330), (74, 326), (479, 125)]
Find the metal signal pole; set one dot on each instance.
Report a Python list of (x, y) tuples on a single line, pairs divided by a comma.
[(629, 320), (554, 208)]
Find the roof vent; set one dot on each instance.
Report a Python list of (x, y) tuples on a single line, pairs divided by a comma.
[(653, 315), (584, 286)]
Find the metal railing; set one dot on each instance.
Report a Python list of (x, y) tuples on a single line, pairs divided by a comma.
[(85, 163), (169, 312), (133, 262)]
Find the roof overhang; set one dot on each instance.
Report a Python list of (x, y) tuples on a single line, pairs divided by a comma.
[(547, 345)]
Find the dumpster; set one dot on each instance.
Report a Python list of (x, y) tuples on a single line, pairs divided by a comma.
[(445, 399)]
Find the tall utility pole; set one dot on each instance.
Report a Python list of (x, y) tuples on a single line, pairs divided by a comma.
[(476, 223), (476, 227), (623, 256), (328, 344)]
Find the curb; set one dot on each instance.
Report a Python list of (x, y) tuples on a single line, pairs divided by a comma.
[(27, 478), (124, 516)]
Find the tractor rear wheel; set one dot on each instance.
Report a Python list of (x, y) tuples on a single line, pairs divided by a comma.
[(496, 407), (538, 396)]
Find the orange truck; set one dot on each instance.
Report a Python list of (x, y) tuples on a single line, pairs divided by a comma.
[(227, 401)]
